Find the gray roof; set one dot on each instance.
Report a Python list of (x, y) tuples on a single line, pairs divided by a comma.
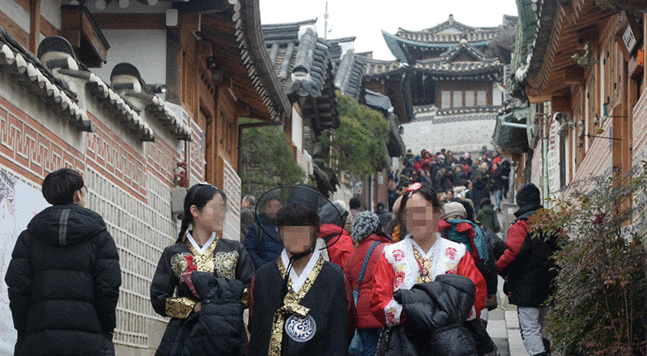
[(304, 66), (349, 68)]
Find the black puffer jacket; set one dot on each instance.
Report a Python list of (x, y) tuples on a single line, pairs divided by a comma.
[(435, 313), (218, 329), (64, 280)]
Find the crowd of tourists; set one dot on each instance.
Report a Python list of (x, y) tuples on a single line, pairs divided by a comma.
[(452, 176), (318, 277)]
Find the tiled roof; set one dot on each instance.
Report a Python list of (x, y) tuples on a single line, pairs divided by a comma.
[(378, 66), (446, 64), (450, 31), (29, 71), (304, 66), (349, 66)]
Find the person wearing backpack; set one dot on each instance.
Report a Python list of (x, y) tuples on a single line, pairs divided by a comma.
[(528, 270)]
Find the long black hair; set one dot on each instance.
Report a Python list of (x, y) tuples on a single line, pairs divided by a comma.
[(427, 192), (198, 195)]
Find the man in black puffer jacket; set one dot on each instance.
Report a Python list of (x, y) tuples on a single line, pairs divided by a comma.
[(64, 276)]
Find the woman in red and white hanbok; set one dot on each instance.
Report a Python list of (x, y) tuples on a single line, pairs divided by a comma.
[(421, 256)]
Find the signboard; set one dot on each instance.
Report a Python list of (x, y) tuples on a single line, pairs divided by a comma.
[(629, 39)]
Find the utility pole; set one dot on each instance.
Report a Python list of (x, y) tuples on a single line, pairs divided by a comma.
[(326, 22)]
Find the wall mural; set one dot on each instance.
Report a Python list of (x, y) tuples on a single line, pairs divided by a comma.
[(19, 203)]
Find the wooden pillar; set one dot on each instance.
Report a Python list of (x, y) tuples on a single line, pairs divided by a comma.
[(34, 25)]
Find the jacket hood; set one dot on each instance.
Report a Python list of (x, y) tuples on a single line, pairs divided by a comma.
[(527, 211), (66, 225), (331, 231)]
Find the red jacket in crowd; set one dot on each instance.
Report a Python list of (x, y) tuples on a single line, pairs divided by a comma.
[(339, 246), (365, 318)]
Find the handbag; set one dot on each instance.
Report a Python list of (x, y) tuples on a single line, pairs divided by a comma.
[(356, 347)]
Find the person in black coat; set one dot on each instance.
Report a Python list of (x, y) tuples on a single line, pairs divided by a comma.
[(478, 192), (64, 276), (529, 270)]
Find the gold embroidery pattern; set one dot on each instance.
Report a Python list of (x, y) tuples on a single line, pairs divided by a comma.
[(179, 264), (225, 263), (424, 275), (179, 307), (204, 261), (291, 305)]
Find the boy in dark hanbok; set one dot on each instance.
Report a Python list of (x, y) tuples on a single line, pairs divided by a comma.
[(299, 302)]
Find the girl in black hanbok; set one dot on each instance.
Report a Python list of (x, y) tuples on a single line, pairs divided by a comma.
[(298, 302), (201, 280)]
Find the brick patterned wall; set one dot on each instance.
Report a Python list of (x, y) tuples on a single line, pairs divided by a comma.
[(129, 189), (28, 148), (232, 187)]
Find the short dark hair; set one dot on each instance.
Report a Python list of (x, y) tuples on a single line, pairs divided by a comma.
[(250, 199), (297, 215), (355, 203), (59, 186)]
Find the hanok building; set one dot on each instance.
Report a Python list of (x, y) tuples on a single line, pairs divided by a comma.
[(446, 84), (580, 86), (141, 99), (303, 64)]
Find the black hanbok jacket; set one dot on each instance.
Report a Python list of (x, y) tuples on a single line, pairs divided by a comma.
[(171, 296), (326, 300)]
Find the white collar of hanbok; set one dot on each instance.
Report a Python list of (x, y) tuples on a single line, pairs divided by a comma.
[(298, 280), (197, 247), (432, 250)]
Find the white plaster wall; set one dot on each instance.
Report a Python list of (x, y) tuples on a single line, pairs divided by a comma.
[(466, 136), (16, 13), (297, 130), (51, 10), (145, 49), (497, 95)]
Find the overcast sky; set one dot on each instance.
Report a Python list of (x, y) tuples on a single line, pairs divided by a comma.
[(365, 18)]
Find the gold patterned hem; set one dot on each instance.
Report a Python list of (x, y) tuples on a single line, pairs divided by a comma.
[(179, 307), (203, 261), (291, 305)]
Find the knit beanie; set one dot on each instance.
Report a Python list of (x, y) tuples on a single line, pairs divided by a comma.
[(453, 210), (333, 213), (364, 224), (528, 195)]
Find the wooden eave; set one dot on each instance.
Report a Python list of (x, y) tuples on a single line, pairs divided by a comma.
[(221, 33), (576, 24)]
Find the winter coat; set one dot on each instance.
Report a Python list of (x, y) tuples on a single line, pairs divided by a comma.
[(384, 216), (64, 280), (218, 328), (340, 247), (365, 318), (435, 313), (488, 217), (495, 179), (247, 218), (527, 264), (263, 248), (470, 235), (497, 245), (477, 193)]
